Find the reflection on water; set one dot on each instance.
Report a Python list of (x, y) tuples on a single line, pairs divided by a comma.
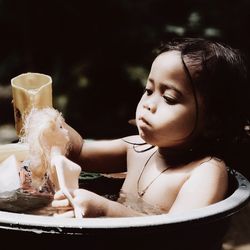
[(105, 186), (137, 203), (49, 210), (128, 200), (21, 200)]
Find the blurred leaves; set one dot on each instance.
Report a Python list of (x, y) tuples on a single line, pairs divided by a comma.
[(99, 52)]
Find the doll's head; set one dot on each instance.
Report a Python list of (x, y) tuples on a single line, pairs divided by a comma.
[(216, 76), (43, 131)]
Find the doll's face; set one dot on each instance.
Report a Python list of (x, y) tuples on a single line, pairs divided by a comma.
[(55, 134), (166, 113), (60, 132)]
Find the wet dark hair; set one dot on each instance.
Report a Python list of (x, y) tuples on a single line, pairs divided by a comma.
[(218, 73)]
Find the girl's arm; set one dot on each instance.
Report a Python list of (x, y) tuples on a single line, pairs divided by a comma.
[(207, 184), (93, 205), (104, 156)]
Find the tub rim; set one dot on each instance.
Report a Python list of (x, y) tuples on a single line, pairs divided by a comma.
[(47, 224)]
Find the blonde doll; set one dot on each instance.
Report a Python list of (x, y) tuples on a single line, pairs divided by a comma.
[(48, 140)]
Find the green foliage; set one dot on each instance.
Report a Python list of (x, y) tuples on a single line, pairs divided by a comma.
[(99, 52)]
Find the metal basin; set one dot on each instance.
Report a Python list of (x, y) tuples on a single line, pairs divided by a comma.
[(201, 229)]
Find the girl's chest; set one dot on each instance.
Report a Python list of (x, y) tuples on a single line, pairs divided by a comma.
[(154, 182)]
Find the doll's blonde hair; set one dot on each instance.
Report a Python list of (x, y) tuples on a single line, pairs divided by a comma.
[(38, 124)]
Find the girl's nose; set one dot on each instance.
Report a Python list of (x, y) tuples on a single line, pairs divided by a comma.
[(151, 106)]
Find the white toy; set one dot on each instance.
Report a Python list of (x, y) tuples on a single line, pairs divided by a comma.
[(48, 142)]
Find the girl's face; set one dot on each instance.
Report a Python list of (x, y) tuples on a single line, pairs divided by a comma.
[(166, 113)]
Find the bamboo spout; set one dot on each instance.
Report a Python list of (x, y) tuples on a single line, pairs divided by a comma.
[(30, 90)]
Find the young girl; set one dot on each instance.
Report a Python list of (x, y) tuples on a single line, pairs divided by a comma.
[(187, 118)]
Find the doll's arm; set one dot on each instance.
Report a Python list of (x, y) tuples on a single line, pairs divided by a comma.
[(67, 173)]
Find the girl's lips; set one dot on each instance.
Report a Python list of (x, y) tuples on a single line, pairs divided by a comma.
[(141, 118)]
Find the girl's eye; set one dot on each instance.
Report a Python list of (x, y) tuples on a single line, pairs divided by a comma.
[(170, 100), (148, 91)]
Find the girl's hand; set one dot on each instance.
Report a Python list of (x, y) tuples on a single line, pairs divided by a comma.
[(91, 204)]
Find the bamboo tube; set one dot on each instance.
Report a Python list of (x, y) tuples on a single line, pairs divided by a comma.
[(30, 90)]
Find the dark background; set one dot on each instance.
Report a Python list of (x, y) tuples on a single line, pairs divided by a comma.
[(98, 53)]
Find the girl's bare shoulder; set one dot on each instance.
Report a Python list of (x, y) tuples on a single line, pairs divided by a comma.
[(211, 167)]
